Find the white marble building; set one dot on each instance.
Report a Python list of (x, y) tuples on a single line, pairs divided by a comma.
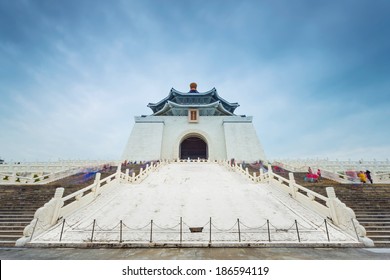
[(193, 125)]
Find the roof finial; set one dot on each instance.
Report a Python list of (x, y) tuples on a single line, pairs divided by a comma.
[(193, 87)]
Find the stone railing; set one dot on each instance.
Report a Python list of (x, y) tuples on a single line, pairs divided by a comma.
[(293, 167), (143, 173), (50, 167), (7, 179), (46, 173), (60, 207), (328, 207), (193, 160), (334, 165), (383, 178), (86, 195), (245, 172), (339, 177), (338, 174)]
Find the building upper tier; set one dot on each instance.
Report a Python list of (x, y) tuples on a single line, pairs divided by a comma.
[(208, 103)]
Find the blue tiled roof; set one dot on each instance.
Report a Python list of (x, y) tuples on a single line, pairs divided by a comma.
[(208, 99)]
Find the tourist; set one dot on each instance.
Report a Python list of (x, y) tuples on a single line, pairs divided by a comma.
[(310, 177), (319, 174), (362, 177), (368, 175), (310, 171)]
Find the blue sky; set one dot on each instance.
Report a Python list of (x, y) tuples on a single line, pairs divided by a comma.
[(315, 75)]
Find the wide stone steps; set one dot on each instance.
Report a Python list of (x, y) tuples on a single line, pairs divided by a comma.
[(11, 232), (372, 227), (372, 214), (16, 215), (9, 239), (380, 243), (18, 204), (15, 223), (373, 220), (17, 212), (379, 233), (12, 224), (4, 228), (375, 223), (371, 204), (383, 238), (7, 243), (17, 219)]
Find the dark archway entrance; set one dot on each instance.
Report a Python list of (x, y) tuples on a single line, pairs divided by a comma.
[(193, 148)]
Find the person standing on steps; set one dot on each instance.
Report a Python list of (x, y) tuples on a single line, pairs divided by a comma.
[(368, 175), (362, 177), (319, 174)]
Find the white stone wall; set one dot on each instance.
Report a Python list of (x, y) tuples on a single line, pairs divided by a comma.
[(144, 142), (159, 137), (242, 142)]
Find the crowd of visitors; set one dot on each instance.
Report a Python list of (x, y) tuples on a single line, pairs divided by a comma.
[(313, 177), (362, 176)]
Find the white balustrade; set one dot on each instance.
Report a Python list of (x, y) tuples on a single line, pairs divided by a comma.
[(328, 207), (338, 170), (43, 173)]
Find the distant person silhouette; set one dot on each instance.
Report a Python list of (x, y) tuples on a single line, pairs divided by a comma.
[(368, 175)]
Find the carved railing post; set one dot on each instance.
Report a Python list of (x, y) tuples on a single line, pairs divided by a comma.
[(97, 184), (118, 172), (332, 204), (291, 184), (261, 174), (345, 218), (44, 217), (58, 203), (127, 175), (270, 173)]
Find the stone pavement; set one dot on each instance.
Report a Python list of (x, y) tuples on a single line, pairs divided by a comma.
[(14, 253)]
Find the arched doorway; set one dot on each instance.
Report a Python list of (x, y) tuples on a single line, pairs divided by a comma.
[(193, 147)]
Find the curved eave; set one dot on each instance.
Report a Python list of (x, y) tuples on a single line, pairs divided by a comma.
[(222, 109), (154, 105), (212, 92), (164, 109), (234, 105), (173, 92), (169, 105)]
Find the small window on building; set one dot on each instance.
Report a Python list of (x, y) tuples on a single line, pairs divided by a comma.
[(193, 115)]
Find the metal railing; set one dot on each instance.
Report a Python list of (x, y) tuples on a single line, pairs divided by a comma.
[(181, 233)]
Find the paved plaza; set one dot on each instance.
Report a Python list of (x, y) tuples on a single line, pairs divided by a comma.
[(196, 254)]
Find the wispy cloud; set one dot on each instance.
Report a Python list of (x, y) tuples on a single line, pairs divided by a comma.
[(314, 76)]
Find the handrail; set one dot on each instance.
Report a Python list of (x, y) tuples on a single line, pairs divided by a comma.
[(294, 184), (335, 165), (331, 208)]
